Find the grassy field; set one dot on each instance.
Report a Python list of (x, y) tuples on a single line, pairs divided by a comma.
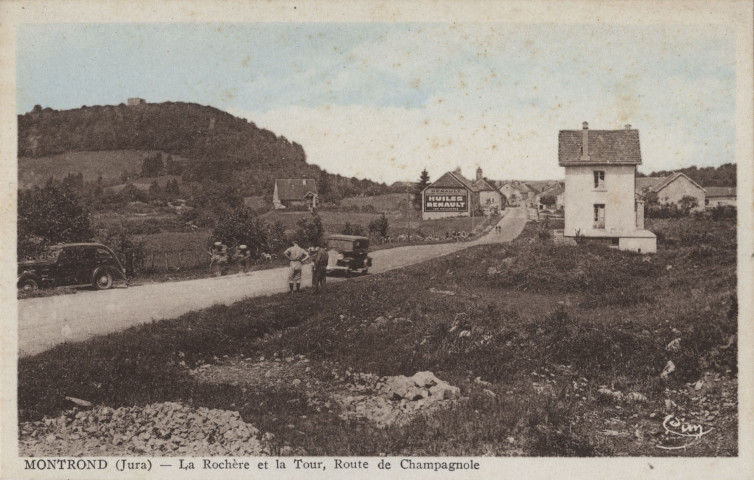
[(390, 202), (334, 222), (557, 351)]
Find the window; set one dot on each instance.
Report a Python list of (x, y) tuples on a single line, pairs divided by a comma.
[(599, 216), (599, 179)]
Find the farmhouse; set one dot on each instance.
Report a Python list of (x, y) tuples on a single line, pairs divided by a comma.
[(674, 189), (555, 190), (135, 101), (600, 200), (517, 193), (720, 197), (451, 195), (295, 192), (490, 199)]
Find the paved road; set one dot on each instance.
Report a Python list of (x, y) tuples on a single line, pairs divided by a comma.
[(44, 322)]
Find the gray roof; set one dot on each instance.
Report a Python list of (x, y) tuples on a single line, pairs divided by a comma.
[(295, 188), (721, 191), (606, 147), (646, 184)]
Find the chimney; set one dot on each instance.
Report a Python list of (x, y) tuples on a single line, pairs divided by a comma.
[(628, 126), (303, 181), (585, 142)]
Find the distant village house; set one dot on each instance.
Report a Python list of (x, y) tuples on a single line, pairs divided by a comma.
[(295, 192), (453, 195), (720, 197), (672, 190), (135, 101), (600, 200), (556, 191)]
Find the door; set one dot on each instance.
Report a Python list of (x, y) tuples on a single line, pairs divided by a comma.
[(599, 216), (67, 265)]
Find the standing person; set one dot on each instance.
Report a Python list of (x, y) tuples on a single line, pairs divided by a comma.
[(128, 254), (319, 268), (297, 256), (219, 261), (242, 257)]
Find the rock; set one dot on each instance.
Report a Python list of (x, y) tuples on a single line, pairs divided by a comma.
[(482, 382), (425, 379), (79, 402), (415, 393), (50, 438), (442, 292), (698, 385), (489, 393), (670, 404), (380, 321), (296, 382), (674, 345), (636, 397), (669, 368), (492, 271), (444, 391), (606, 392), (399, 386), (464, 333)]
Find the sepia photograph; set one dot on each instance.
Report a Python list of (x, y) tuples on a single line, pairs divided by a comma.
[(334, 239)]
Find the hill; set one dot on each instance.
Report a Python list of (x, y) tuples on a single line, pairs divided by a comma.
[(218, 145), (108, 165)]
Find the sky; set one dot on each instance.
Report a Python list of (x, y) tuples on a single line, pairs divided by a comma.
[(386, 100)]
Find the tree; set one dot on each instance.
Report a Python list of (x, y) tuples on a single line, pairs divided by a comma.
[(380, 226), (155, 191), (310, 231), (238, 227), (548, 200), (172, 188), (419, 187), (47, 216), (688, 202), (152, 165), (323, 184)]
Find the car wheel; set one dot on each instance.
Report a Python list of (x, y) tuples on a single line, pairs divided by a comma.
[(103, 280), (28, 285)]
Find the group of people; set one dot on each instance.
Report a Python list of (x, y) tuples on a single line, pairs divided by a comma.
[(297, 256), (220, 258)]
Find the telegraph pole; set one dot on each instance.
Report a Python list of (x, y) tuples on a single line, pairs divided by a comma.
[(409, 207)]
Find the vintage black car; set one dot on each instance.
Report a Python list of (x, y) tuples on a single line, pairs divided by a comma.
[(71, 264), (348, 254)]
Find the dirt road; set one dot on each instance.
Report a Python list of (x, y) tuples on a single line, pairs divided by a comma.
[(46, 321)]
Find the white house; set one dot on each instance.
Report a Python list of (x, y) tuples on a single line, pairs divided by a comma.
[(490, 199), (720, 196), (672, 189), (600, 184)]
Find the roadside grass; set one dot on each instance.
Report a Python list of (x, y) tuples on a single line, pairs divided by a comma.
[(563, 319)]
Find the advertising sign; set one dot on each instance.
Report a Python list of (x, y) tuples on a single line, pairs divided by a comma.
[(445, 200)]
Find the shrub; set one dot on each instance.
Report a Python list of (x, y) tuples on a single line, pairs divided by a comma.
[(380, 226), (724, 211), (50, 215), (310, 231)]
